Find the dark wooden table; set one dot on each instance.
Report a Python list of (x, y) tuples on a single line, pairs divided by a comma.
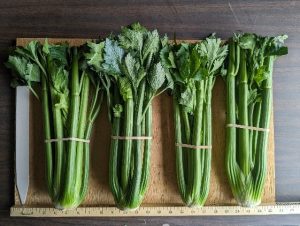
[(190, 19)]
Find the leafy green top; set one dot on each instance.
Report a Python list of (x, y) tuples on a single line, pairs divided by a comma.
[(24, 63), (189, 63), (34, 60), (130, 58), (57, 73), (134, 56), (259, 49)]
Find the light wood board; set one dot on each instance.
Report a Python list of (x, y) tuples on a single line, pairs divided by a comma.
[(162, 190)]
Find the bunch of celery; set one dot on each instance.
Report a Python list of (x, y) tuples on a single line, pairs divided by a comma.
[(57, 75), (249, 103), (194, 68), (130, 69)]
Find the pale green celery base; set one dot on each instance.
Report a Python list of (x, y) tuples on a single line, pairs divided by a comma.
[(248, 202), (128, 209), (195, 204), (63, 208), (123, 207)]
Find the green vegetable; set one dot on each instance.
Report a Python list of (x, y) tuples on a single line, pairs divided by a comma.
[(57, 75), (194, 68), (249, 103), (131, 70)]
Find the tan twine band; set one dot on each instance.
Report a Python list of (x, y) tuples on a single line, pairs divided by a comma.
[(248, 127), (67, 139), (131, 138), (197, 147)]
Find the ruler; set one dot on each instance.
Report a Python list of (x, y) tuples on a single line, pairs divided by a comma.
[(275, 209)]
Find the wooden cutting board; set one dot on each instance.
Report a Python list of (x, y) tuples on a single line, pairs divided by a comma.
[(162, 190)]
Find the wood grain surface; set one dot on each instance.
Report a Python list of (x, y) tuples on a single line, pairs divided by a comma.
[(190, 20)]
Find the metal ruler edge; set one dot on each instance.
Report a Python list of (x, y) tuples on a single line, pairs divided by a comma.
[(267, 209)]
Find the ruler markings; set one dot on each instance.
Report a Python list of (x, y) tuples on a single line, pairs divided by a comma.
[(292, 208)]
